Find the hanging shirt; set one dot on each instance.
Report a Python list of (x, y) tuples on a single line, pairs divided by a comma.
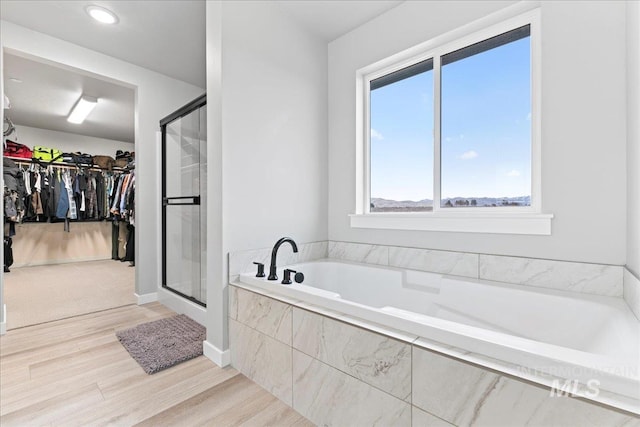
[(27, 181), (123, 194), (68, 183)]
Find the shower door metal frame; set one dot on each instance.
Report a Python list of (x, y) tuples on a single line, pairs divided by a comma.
[(175, 201)]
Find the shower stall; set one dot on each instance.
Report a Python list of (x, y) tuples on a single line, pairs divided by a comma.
[(184, 169)]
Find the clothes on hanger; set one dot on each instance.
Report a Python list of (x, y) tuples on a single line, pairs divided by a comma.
[(56, 193)]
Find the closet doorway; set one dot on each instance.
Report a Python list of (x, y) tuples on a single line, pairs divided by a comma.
[(72, 231)]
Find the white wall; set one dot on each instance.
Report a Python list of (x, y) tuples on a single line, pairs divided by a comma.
[(156, 96), (70, 142), (633, 137), (274, 127), (583, 126), (273, 141)]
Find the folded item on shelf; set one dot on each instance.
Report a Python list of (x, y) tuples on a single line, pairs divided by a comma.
[(122, 162), (47, 154), (104, 162), (14, 149), (83, 158)]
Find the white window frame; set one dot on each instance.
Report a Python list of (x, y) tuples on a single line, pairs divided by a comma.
[(503, 220)]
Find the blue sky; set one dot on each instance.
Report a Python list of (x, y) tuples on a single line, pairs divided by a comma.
[(486, 128)]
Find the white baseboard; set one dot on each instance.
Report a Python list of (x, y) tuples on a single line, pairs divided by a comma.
[(219, 357), (3, 324), (146, 298), (183, 306)]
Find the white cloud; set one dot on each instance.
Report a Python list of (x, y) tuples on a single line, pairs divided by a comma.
[(468, 155), (513, 173), (376, 135)]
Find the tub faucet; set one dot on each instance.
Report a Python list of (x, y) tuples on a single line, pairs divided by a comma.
[(274, 254)]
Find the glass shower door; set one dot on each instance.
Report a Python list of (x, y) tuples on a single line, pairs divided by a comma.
[(184, 177)]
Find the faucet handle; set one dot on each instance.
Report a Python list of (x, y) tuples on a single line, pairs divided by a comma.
[(260, 272), (287, 276)]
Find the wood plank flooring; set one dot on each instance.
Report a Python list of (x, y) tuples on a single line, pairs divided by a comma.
[(74, 372)]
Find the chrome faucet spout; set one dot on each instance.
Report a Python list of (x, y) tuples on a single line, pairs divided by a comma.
[(274, 254)]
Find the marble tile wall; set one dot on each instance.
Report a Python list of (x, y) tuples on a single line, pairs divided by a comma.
[(375, 359), (264, 360), (454, 263), (445, 262), (358, 252), (596, 279), (268, 316), (425, 419), (464, 394), (327, 397), (242, 261), (572, 276), (632, 292), (589, 278), (334, 373)]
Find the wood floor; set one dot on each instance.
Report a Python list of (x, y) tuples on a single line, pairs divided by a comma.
[(74, 372)]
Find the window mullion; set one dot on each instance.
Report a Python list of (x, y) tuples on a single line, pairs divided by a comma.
[(366, 195), (436, 133)]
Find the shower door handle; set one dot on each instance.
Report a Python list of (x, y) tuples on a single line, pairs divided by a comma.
[(184, 200)]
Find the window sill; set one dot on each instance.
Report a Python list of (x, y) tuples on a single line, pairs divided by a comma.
[(464, 222)]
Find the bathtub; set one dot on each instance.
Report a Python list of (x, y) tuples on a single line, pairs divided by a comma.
[(537, 334)]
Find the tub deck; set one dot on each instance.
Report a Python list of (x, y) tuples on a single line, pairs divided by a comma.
[(549, 332)]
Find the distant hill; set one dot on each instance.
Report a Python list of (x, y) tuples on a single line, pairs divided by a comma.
[(386, 203), (381, 205), (489, 201)]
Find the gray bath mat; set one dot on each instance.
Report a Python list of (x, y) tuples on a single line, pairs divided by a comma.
[(163, 343)]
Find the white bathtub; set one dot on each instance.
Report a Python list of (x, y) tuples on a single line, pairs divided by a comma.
[(544, 333)]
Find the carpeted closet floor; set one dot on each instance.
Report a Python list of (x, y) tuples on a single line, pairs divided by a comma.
[(44, 293)]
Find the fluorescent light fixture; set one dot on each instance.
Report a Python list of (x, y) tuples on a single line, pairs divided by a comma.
[(81, 110), (102, 15)]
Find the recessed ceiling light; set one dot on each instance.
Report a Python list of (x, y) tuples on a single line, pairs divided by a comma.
[(102, 15)]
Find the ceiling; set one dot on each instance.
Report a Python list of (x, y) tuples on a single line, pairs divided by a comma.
[(45, 95), (330, 19), (165, 36), (168, 36)]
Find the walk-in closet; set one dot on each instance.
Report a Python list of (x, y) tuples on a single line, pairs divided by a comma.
[(69, 192)]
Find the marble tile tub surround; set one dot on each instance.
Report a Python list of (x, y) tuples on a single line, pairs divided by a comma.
[(464, 394), (264, 360), (328, 397), (589, 278), (632, 292), (242, 261), (266, 315), (319, 377), (309, 385), (571, 276), (376, 359)]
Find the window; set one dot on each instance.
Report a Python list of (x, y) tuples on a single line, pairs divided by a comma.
[(485, 116), (401, 140), (450, 134)]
